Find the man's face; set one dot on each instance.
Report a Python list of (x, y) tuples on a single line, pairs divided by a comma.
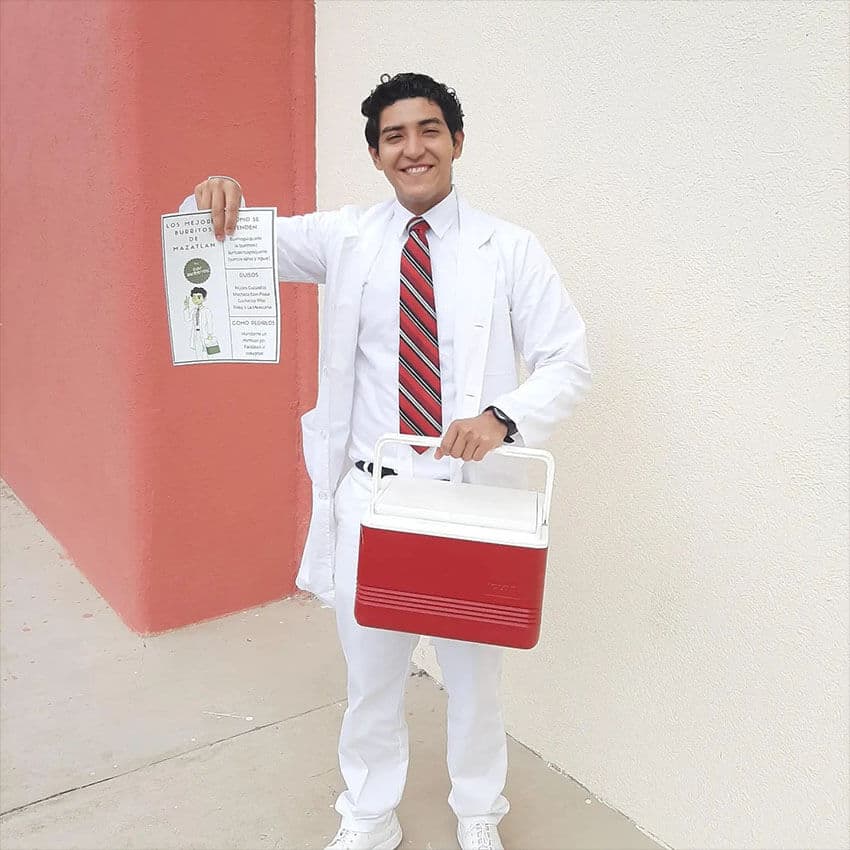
[(416, 151), (197, 299)]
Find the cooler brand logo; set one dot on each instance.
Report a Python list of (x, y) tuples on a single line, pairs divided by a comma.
[(503, 589)]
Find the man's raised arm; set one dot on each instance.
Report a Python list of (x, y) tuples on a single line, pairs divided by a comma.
[(302, 240)]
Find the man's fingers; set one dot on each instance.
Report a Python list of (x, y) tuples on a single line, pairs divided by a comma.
[(445, 447), (219, 201), (470, 448), (202, 195), (459, 445), (471, 439), (232, 198), (222, 197), (460, 442)]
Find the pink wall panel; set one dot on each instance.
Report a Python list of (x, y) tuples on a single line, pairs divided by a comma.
[(177, 491)]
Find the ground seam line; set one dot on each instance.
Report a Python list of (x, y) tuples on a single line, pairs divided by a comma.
[(168, 758)]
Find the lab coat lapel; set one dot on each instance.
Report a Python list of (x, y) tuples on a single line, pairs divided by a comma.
[(476, 282)]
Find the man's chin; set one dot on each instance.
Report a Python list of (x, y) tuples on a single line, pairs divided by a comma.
[(426, 197)]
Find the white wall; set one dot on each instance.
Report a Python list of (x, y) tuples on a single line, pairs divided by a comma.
[(685, 164)]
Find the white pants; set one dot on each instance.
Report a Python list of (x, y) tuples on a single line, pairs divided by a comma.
[(199, 347), (373, 744)]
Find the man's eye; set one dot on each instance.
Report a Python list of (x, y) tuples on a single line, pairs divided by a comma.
[(393, 138)]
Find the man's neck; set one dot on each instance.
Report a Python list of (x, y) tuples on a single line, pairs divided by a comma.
[(418, 210)]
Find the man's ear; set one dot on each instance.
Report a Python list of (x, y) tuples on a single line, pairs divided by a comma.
[(458, 144), (376, 158)]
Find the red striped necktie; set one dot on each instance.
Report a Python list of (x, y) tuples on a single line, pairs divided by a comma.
[(419, 396)]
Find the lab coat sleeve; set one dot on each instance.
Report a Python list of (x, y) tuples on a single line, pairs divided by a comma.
[(302, 246), (550, 335), (302, 243)]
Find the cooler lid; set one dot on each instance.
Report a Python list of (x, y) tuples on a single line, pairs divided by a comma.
[(462, 504)]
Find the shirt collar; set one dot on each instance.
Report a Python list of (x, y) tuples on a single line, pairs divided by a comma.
[(440, 217)]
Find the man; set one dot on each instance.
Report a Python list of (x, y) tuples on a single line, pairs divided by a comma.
[(199, 318), (428, 304)]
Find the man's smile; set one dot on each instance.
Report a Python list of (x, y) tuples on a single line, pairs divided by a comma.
[(413, 170)]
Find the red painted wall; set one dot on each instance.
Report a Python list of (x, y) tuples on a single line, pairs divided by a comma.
[(179, 492)]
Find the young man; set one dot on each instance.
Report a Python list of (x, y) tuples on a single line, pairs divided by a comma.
[(199, 318), (428, 304)]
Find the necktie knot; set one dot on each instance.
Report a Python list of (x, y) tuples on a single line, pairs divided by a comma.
[(418, 226)]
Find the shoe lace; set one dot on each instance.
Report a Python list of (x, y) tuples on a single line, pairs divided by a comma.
[(482, 833), (344, 838)]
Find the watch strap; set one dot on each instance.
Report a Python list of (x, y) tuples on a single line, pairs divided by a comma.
[(505, 420)]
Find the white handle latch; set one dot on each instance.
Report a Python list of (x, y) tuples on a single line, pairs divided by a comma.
[(432, 442)]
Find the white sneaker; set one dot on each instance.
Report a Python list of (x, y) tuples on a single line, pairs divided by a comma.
[(479, 835), (387, 838)]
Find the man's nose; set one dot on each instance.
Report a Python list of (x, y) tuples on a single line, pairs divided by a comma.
[(413, 146)]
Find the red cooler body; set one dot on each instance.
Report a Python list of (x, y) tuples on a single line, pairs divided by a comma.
[(454, 560)]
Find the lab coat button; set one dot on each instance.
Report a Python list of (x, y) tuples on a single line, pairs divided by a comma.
[(323, 496), (323, 435)]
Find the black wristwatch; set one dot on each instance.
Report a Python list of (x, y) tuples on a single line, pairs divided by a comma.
[(505, 420)]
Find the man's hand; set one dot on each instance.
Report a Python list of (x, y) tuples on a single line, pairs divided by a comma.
[(471, 439), (222, 196)]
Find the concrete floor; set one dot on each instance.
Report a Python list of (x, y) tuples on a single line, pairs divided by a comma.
[(219, 735)]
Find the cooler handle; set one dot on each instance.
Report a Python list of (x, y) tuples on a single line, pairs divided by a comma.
[(432, 442)]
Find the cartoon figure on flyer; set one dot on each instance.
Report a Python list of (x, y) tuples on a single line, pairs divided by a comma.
[(199, 317)]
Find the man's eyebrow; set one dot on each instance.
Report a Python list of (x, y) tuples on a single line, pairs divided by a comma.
[(423, 123)]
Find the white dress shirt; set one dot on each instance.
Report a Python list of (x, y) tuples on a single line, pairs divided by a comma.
[(375, 408)]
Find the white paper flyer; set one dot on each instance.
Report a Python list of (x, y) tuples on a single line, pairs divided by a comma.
[(222, 298)]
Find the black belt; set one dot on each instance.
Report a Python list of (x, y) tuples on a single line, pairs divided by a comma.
[(369, 467)]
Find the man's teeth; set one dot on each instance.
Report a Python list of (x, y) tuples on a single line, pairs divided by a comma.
[(418, 170)]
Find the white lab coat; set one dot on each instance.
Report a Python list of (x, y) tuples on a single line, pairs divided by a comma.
[(202, 334), (510, 304)]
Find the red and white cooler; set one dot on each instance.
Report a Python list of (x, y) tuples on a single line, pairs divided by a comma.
[(454, 560)]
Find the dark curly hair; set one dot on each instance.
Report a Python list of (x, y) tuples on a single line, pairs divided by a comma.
[(402, 86)]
